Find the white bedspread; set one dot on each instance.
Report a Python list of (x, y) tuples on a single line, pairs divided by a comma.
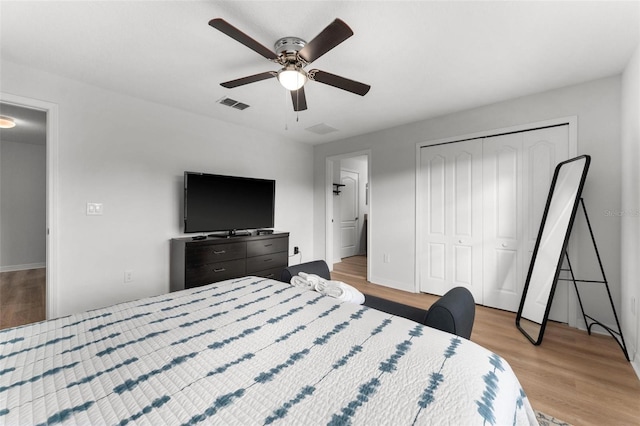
[(250, 351)]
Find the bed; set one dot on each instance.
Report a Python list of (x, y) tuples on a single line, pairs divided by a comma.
[(250, 351)]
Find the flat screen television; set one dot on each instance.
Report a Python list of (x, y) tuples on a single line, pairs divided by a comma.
[(215, 203)]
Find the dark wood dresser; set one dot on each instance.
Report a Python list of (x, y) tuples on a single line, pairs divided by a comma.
[(199, 262)]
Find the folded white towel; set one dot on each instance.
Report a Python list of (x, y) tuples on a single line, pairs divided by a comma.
[(341, 291), (331, 288), (336, 289), (311, 278), (302, 283)]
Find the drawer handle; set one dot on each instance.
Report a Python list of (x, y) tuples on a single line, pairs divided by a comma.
[(268, 245), (219, 252), (270, 276), (219, 270), (268, 260)]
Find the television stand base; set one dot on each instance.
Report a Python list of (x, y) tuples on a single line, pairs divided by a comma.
[(231, 234)]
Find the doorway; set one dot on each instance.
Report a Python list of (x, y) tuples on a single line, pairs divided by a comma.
[(27, 211), (348, 208)]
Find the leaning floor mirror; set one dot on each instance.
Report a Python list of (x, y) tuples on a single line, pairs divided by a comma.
[(551, 245)]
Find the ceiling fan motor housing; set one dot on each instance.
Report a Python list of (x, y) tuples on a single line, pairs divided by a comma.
[(288, 45)]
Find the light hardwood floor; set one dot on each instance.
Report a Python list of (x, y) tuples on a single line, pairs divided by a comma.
[(581, 379), (22, 297)]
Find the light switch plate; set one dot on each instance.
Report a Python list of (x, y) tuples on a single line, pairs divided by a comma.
[(94, 209)]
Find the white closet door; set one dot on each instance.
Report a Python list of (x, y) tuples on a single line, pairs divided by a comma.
[(518, 169), (451, 243), (481, 205), (504, 207)]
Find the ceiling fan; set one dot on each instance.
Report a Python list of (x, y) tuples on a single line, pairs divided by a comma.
[(293, 54)]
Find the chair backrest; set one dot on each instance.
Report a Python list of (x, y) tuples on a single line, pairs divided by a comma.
[(316, 267), (454, 312)]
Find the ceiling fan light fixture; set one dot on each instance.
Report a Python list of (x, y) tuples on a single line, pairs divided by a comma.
[(7, 122), (292, 78)]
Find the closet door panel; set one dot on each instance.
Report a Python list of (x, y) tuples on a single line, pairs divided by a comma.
[(435, 172), (451, 177), (540, 162), (503, 204), (463, 194)]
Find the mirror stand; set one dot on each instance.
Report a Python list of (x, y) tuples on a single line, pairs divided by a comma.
[(589, 320)]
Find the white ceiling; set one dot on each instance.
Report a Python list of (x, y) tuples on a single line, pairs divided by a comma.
[(422, 58)]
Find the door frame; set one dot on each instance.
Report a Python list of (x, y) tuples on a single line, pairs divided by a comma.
[(328, 229), (571, 121), (52, 242)]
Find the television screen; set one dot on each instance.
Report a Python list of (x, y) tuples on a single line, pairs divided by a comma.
[(227, 203)]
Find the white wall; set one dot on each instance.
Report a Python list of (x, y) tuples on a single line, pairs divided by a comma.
[(392, 180), (22, 205), (130, 155), (630, 207)]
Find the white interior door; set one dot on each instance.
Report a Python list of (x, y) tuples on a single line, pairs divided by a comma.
[(349, 214), (452, 205)]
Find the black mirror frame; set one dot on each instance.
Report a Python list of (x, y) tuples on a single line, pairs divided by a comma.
[(538, 340)]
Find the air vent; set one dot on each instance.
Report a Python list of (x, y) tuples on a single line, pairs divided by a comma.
[(321, 129), (232, 103)]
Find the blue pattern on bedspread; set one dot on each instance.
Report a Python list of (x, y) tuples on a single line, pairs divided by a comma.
[(250, 351)]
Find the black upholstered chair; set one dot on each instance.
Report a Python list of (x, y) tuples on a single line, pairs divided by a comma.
[(454, 312)]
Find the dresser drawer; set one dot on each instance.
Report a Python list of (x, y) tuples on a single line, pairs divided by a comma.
[(267, 246), (213, 253), (205, 274), (273, 273), (267, 261)]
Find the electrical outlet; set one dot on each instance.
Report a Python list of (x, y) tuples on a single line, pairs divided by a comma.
[(128, 276), (296, 250), (386, 258)]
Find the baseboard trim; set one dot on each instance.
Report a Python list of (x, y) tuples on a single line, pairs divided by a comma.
[(391, 284), (12, 268)]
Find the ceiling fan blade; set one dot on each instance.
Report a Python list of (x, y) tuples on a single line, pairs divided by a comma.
[(339, 82), (249, 79), (225, 27), (334, 34), (299, 99)]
